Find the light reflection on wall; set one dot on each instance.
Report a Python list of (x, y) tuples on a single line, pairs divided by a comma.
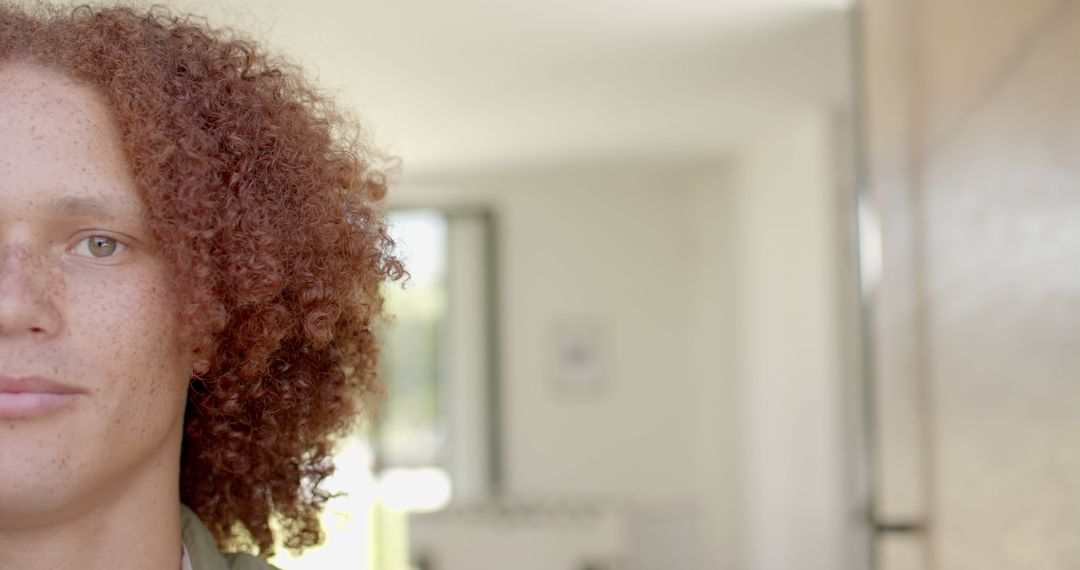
[(347, 519), (411, 428)]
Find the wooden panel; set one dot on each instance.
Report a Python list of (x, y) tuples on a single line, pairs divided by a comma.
[(1002, 206), (901, 552), (964, 47), (973, 123)]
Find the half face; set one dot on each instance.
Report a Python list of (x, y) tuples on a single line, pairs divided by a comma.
[(92, 378)]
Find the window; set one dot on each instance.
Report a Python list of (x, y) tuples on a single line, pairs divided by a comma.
[(435, 439)]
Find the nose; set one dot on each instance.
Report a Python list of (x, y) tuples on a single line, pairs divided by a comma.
[(26, 304)]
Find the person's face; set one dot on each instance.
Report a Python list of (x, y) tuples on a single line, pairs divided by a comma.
[(92, 376)]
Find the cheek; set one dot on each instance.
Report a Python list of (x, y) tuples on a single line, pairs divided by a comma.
[(126, 330)]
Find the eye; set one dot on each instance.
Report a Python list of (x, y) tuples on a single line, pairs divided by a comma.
[(98, 247)]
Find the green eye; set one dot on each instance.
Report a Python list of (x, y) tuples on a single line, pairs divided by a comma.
[(102, 246), (98, 246)]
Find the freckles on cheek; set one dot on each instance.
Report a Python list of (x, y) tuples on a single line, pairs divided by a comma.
[(130, 330), (50, 286)]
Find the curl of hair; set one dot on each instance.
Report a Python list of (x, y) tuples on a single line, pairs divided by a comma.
[(266, 203)]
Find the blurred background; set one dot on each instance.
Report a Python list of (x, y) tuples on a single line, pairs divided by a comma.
[(727, 284)]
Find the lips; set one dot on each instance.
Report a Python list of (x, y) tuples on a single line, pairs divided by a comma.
[(33, 396)]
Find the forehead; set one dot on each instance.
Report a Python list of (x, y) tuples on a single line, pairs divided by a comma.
[(32, 93), (58, 140)]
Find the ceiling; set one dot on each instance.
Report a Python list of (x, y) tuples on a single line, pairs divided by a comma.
[(466, 85)]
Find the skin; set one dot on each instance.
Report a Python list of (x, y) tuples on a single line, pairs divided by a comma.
[(94, 483)]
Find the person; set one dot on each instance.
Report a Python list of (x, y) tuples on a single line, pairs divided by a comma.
[(192, 243)]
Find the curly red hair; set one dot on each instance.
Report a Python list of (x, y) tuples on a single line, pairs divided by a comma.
[(266, 203)]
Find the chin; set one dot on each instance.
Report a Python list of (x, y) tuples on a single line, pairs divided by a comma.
[(37, 468), (27, 501)]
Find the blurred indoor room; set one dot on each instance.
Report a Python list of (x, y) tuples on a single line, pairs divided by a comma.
[(724, 284)]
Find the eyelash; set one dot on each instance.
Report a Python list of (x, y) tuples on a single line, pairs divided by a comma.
[(85, 244)]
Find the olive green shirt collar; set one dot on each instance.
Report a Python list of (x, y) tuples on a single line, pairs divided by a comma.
[(202, 552)]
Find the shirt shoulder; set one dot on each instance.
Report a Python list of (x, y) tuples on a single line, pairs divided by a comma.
[(203, 552), (246, 562)]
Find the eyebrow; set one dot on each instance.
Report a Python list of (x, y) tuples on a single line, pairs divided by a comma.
[(93, 207)]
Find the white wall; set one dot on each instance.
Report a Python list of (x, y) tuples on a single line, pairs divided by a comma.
[(790, 363), (608, 246), (718, 286), (716, 402)]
